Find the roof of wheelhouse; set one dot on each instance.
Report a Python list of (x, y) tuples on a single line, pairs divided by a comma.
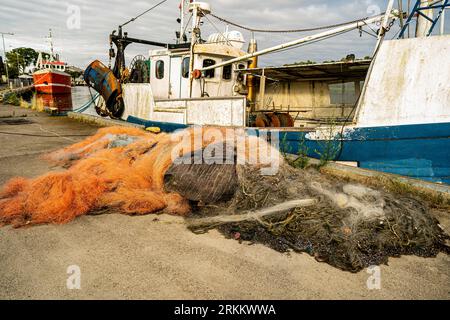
[(329, 71)]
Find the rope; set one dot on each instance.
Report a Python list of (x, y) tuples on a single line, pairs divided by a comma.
[(285, 31), (87, 104)]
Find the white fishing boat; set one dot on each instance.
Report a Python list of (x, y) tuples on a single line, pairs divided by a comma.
[(396, 120)]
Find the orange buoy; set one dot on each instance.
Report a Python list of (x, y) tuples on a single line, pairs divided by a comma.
[(196, 74)]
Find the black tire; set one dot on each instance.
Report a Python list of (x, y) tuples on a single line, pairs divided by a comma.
[(117, 109)]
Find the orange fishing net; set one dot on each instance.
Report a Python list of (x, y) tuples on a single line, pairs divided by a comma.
[(120, 168)]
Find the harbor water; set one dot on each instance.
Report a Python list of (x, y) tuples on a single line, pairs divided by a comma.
[(79, 96)]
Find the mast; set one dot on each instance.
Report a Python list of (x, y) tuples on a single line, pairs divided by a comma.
[(199, 9), (50, 38), (182, 12)]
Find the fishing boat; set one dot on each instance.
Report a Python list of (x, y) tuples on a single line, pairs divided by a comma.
[(397, 119), (50, 76)]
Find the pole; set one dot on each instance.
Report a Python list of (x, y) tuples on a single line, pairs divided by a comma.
[(443, 19), (51, 44), (18, 63), (195, 25), (252, 47), (307, 39), (4, 52), (400, 9), (384, 24), (409, 11), (423, 24), (181, 21)]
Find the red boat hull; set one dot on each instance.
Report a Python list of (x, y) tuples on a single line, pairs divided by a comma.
[(53, 82)]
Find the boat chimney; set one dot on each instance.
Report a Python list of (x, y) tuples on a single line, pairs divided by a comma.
[(423, 24), (252, 48)]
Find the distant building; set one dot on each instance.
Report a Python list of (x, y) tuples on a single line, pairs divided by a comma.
[(26, 80)]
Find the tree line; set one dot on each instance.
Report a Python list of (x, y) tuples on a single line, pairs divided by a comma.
[(20, 59)]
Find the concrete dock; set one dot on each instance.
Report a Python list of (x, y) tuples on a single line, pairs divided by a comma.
[(156, 257)]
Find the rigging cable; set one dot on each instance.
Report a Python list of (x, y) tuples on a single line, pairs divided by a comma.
[(146, 11), (285, 31)]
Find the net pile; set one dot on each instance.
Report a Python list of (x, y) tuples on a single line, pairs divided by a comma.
[(135, 172), (113, 169), (350, 227), (117, 168)]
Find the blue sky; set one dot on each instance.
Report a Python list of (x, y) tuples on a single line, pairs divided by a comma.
[(30, 20)]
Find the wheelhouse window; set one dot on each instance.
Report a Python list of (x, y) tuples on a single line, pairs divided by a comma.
[(185, 67), (343, 93), (159, 69), (226, 72), (209, 73)]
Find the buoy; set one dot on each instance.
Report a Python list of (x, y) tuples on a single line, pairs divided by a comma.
[(153, 129), (196, 74)]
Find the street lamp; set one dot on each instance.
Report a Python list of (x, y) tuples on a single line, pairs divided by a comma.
[(4, 52)]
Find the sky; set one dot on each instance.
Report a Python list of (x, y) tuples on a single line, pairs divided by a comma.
[(81, 27)]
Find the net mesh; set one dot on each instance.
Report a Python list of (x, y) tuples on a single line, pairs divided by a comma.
[(350, 227)]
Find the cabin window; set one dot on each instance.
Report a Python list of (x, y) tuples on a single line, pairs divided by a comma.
[(159, 69), (343, 93), (226, 72), (185, 67), (209, 73)]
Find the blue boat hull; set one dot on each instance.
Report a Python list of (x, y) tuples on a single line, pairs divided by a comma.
[(418, 151)]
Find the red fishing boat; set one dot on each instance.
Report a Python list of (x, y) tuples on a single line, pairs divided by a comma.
[(50, 75)]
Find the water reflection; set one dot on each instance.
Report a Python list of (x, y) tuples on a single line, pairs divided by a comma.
[(61, 102)]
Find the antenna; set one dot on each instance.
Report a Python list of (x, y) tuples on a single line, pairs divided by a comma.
[(50, 38)]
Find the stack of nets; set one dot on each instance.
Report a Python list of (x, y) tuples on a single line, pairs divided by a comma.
[(118, 168), (350, 227)]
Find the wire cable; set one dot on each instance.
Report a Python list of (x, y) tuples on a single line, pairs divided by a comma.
[(146, 11), (285, 31)]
